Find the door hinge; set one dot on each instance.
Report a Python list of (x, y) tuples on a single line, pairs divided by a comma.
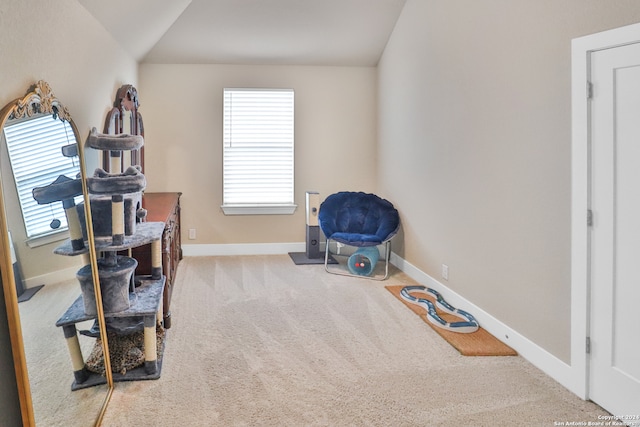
[(588, 345), (589, 218), (589, 90)]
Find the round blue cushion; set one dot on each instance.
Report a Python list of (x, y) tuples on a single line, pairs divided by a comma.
[(358, 218)]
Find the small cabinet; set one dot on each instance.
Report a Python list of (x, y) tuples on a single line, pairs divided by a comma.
[(163, 207)]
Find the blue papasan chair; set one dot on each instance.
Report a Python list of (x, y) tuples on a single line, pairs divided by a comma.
[(362, 220)]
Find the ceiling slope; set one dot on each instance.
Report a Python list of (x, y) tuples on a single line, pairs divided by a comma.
[(136, 25), (291, 32)]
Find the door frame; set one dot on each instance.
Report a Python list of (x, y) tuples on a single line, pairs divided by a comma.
[(581, 50)]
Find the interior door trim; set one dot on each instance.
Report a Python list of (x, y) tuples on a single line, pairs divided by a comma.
[(581, 50)]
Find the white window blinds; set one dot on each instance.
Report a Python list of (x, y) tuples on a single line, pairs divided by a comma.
[(36, 158), (258, 147)]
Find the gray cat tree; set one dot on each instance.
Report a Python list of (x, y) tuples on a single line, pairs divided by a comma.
[(132, 304)]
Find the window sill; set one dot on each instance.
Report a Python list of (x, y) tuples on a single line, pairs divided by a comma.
[(34, 242), (259, 209)]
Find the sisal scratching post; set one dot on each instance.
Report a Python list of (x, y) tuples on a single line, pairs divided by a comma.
[(156, 259), (117, 219), (115, 164), (77, 361), (86, 258), (73, 221), (150, 351)]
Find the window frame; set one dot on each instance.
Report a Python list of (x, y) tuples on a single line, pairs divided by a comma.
[(259, 207), (37, 237)]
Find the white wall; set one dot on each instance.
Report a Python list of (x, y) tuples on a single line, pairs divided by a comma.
[(61, 43), (474, 149), (335, 133)]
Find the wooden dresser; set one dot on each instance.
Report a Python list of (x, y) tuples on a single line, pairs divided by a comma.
[(163, 207)]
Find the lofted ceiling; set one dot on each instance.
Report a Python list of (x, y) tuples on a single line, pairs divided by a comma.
[(288, 32)]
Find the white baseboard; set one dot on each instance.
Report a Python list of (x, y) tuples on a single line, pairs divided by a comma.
[(242, 249), (51, 278), (238, 249), (536, 355)]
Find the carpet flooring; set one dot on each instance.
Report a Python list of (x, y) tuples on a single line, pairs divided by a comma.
[(259, 341), (49, 364)]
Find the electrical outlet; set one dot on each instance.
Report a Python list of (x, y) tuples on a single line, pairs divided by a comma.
[(445, 271), (192, 234)]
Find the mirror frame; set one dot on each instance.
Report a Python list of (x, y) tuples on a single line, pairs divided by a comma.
[(41, 100)]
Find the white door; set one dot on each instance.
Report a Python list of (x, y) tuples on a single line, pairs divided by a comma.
[(614, 373)]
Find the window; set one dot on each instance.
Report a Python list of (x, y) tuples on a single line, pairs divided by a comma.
[(258, 151), (34, 148)]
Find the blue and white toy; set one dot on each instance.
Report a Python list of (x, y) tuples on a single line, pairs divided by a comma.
[(363, 261), (466, 327)]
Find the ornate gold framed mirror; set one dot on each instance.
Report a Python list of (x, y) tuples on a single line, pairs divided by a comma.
[(43, 367)]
